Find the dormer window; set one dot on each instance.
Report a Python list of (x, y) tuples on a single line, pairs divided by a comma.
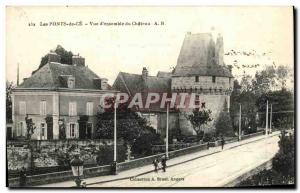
[(71, 82)]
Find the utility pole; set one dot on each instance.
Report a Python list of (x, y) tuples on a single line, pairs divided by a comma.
[(271, 118), (240, 123), (18, 75), (115, 132), (167, 133), (267, 113)]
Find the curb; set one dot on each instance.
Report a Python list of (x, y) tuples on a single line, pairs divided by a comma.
[(150, 171)]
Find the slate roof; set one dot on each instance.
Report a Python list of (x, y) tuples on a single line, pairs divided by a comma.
[(134, 83), (197, 57), (162, 74), (53, 75)]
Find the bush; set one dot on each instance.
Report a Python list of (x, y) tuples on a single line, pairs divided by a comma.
[(105, 155), (209, 137), (142, 146), (224, 125)]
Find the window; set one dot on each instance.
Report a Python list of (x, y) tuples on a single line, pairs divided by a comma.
[(196, 78), (71, 82), (213, 79), (89, 108), (22, 109), (20, 129), (72, 130), (43, 131), (43, 108), (72, 109)]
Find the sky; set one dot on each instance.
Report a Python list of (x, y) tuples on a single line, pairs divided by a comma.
[(110, 49)]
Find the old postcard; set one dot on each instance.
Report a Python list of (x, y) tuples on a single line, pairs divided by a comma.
[(150, 97)]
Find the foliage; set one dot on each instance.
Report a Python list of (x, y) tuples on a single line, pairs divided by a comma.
[(9, 87), (199, 118), (62, 130), (105, 154), (283, 171), (282, 101), (284, 160), (130, 125), (66, 56), (142, 145), (264, 81), (30, 127), (224, 125), (209, 137)]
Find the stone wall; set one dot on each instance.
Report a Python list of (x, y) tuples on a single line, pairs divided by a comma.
[(205, 82), (52, 153), (101, 170)]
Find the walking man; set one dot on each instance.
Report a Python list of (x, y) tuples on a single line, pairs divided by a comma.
[(222, 142), (163, 163), (155, 163)]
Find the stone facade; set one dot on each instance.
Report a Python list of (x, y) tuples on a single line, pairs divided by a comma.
[(62, 101), (57, 105)]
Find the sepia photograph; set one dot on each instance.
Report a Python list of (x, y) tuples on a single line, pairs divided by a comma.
[(150, 97)]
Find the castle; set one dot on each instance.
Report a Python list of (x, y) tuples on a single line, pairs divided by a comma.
[(200, 70), (62, 100)]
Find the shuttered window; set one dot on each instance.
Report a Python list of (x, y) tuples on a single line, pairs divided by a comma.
[(43, 108), (72, 109), (89, 108)]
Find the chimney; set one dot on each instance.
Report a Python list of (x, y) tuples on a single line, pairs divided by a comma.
[(53, 57), (145, 73), (78, 60), (104, 85)]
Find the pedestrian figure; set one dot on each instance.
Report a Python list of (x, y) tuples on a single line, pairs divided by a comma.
[(222, 142), (163, 163), (23, 177), (155, 163), (207, 145)]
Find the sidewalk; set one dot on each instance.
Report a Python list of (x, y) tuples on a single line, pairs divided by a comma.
[(149, 168)]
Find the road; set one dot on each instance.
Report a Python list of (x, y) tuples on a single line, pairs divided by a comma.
[(214, 170)]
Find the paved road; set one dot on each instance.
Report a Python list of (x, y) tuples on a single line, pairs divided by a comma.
[(211, 171)]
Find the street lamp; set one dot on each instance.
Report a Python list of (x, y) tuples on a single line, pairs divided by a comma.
[(77, 169), (114, 163)]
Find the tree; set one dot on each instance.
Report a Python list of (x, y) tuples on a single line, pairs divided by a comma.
[(198, 119), (66, 56), (224, 125), (283, 104), (264, 81), (9, 87), (282, 74), (284, 160), (130, 126), (246, 82), (30, 127)]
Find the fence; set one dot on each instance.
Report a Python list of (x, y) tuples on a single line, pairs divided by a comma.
[(105, 170)]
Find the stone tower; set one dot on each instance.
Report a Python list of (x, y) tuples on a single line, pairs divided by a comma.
[(200, 69)]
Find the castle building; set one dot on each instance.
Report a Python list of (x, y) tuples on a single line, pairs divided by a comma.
[(62, 100), (200, 70)]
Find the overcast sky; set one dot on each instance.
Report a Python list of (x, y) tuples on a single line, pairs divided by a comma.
[(110, 49)]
